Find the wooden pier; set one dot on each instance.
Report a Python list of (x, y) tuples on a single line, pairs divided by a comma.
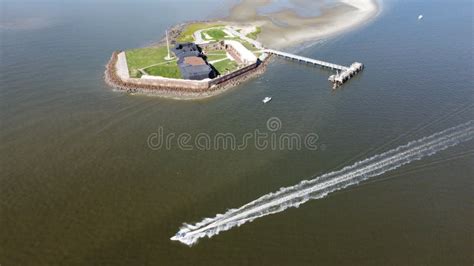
[(340, 78)]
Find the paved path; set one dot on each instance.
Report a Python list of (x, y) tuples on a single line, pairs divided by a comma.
[(229, 31), (218, 60), (198, 37), (122, 66), (245, 38), (159, 64)]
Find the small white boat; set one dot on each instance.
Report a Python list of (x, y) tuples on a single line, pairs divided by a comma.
[(267, 99), (420, 17)]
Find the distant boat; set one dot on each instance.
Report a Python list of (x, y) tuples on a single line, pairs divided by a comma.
[(267, 99), (420, 17)]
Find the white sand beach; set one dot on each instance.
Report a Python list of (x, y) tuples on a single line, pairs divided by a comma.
[(285, 27)]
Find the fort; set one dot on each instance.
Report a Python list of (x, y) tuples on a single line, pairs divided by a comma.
[(201, 60), (192, 69)]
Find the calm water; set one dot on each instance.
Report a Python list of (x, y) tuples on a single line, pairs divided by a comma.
[(78, 185), (302, 8)]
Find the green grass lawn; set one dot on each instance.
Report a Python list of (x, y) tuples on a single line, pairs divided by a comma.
[(248, 45), (216, 55), (187, 34), (216, 34), (254, 35), (144, 57), (169, 70), (225, 66)]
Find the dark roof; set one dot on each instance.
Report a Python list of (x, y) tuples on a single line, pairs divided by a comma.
[(199, 72), (191, 62), (186, 49), (186, 45)]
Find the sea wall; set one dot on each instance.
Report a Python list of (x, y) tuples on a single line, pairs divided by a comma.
[(180, 84), (234, 74), (176, 88)]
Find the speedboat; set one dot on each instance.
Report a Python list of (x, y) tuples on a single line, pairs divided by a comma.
[(420, 17), (267, 99)]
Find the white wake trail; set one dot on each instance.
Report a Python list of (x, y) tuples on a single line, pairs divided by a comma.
[(322, 185)]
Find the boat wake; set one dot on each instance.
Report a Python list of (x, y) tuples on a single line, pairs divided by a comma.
[(322, 185)]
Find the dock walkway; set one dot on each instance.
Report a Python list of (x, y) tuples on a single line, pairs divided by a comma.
[(343, 73), (306, 60)]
